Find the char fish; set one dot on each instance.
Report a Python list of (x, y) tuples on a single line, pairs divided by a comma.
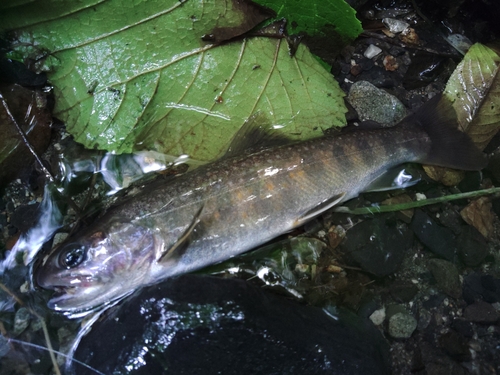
[(232, 205)]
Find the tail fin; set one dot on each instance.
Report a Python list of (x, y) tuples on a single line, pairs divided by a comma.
[(449, 146)]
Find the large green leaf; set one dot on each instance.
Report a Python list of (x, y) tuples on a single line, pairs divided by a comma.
[(138, 75)]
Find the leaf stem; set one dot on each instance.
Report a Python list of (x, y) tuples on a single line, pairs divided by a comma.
[(406, 206)]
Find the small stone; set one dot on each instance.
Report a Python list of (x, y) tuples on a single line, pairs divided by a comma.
[(410, 36), (402, 326), (394, 25), (372, 51), (446, 276), (378, 316), (481, 312)]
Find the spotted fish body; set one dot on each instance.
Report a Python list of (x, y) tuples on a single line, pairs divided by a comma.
[(235, 204)]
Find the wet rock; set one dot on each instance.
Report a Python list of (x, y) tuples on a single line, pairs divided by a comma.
[(375, 104), (438, 239), (481, 312), (206, 325), (377, 245), (446, 276), (401, 325), (455, 345), (481, 287), (472, 246)]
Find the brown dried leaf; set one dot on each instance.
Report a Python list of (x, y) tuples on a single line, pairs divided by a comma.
[(479, 214), (29, 108), (446, 176)]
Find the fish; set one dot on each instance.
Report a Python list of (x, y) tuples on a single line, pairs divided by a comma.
[(232, 205)]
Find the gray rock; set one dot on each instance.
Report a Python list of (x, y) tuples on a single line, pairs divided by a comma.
[(375, 104), (402, 325), (446, 275)]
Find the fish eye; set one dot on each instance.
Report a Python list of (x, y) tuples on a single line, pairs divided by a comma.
[(72, 255)]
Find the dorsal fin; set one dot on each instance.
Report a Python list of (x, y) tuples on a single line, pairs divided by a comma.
[(256, 133)]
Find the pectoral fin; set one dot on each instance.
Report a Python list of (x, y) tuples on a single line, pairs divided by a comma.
[(177, 249), (319, 209)]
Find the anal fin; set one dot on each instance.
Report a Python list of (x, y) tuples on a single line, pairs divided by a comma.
[(320, 208)]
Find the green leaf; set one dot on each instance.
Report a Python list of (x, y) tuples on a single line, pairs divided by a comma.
[(133, 76), (317, 17), (474, 89)]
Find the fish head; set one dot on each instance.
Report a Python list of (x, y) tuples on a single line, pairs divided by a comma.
[(97, 267)]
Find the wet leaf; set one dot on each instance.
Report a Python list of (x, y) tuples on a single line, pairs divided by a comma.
[(479, 214), (153, 76), (28, 107), (474, 89)]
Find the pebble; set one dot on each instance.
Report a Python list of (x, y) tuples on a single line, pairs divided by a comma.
[(372, 103), (372, 51), (378, 316), (402, 325), (394, 25)]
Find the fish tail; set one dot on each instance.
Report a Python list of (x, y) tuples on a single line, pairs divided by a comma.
[(450, 147)]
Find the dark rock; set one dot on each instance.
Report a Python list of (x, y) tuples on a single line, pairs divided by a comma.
[(451, 219), (481, 312), (463, 327), (205, 325), (438, 363), (471, 182), (438, 239), (377, 245), (25, 217), (446, 276), (481, 287), (433, 301), (455, 345), (472, 246), (403, 292)]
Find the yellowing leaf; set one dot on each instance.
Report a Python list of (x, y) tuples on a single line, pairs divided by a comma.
[(474, 89)]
